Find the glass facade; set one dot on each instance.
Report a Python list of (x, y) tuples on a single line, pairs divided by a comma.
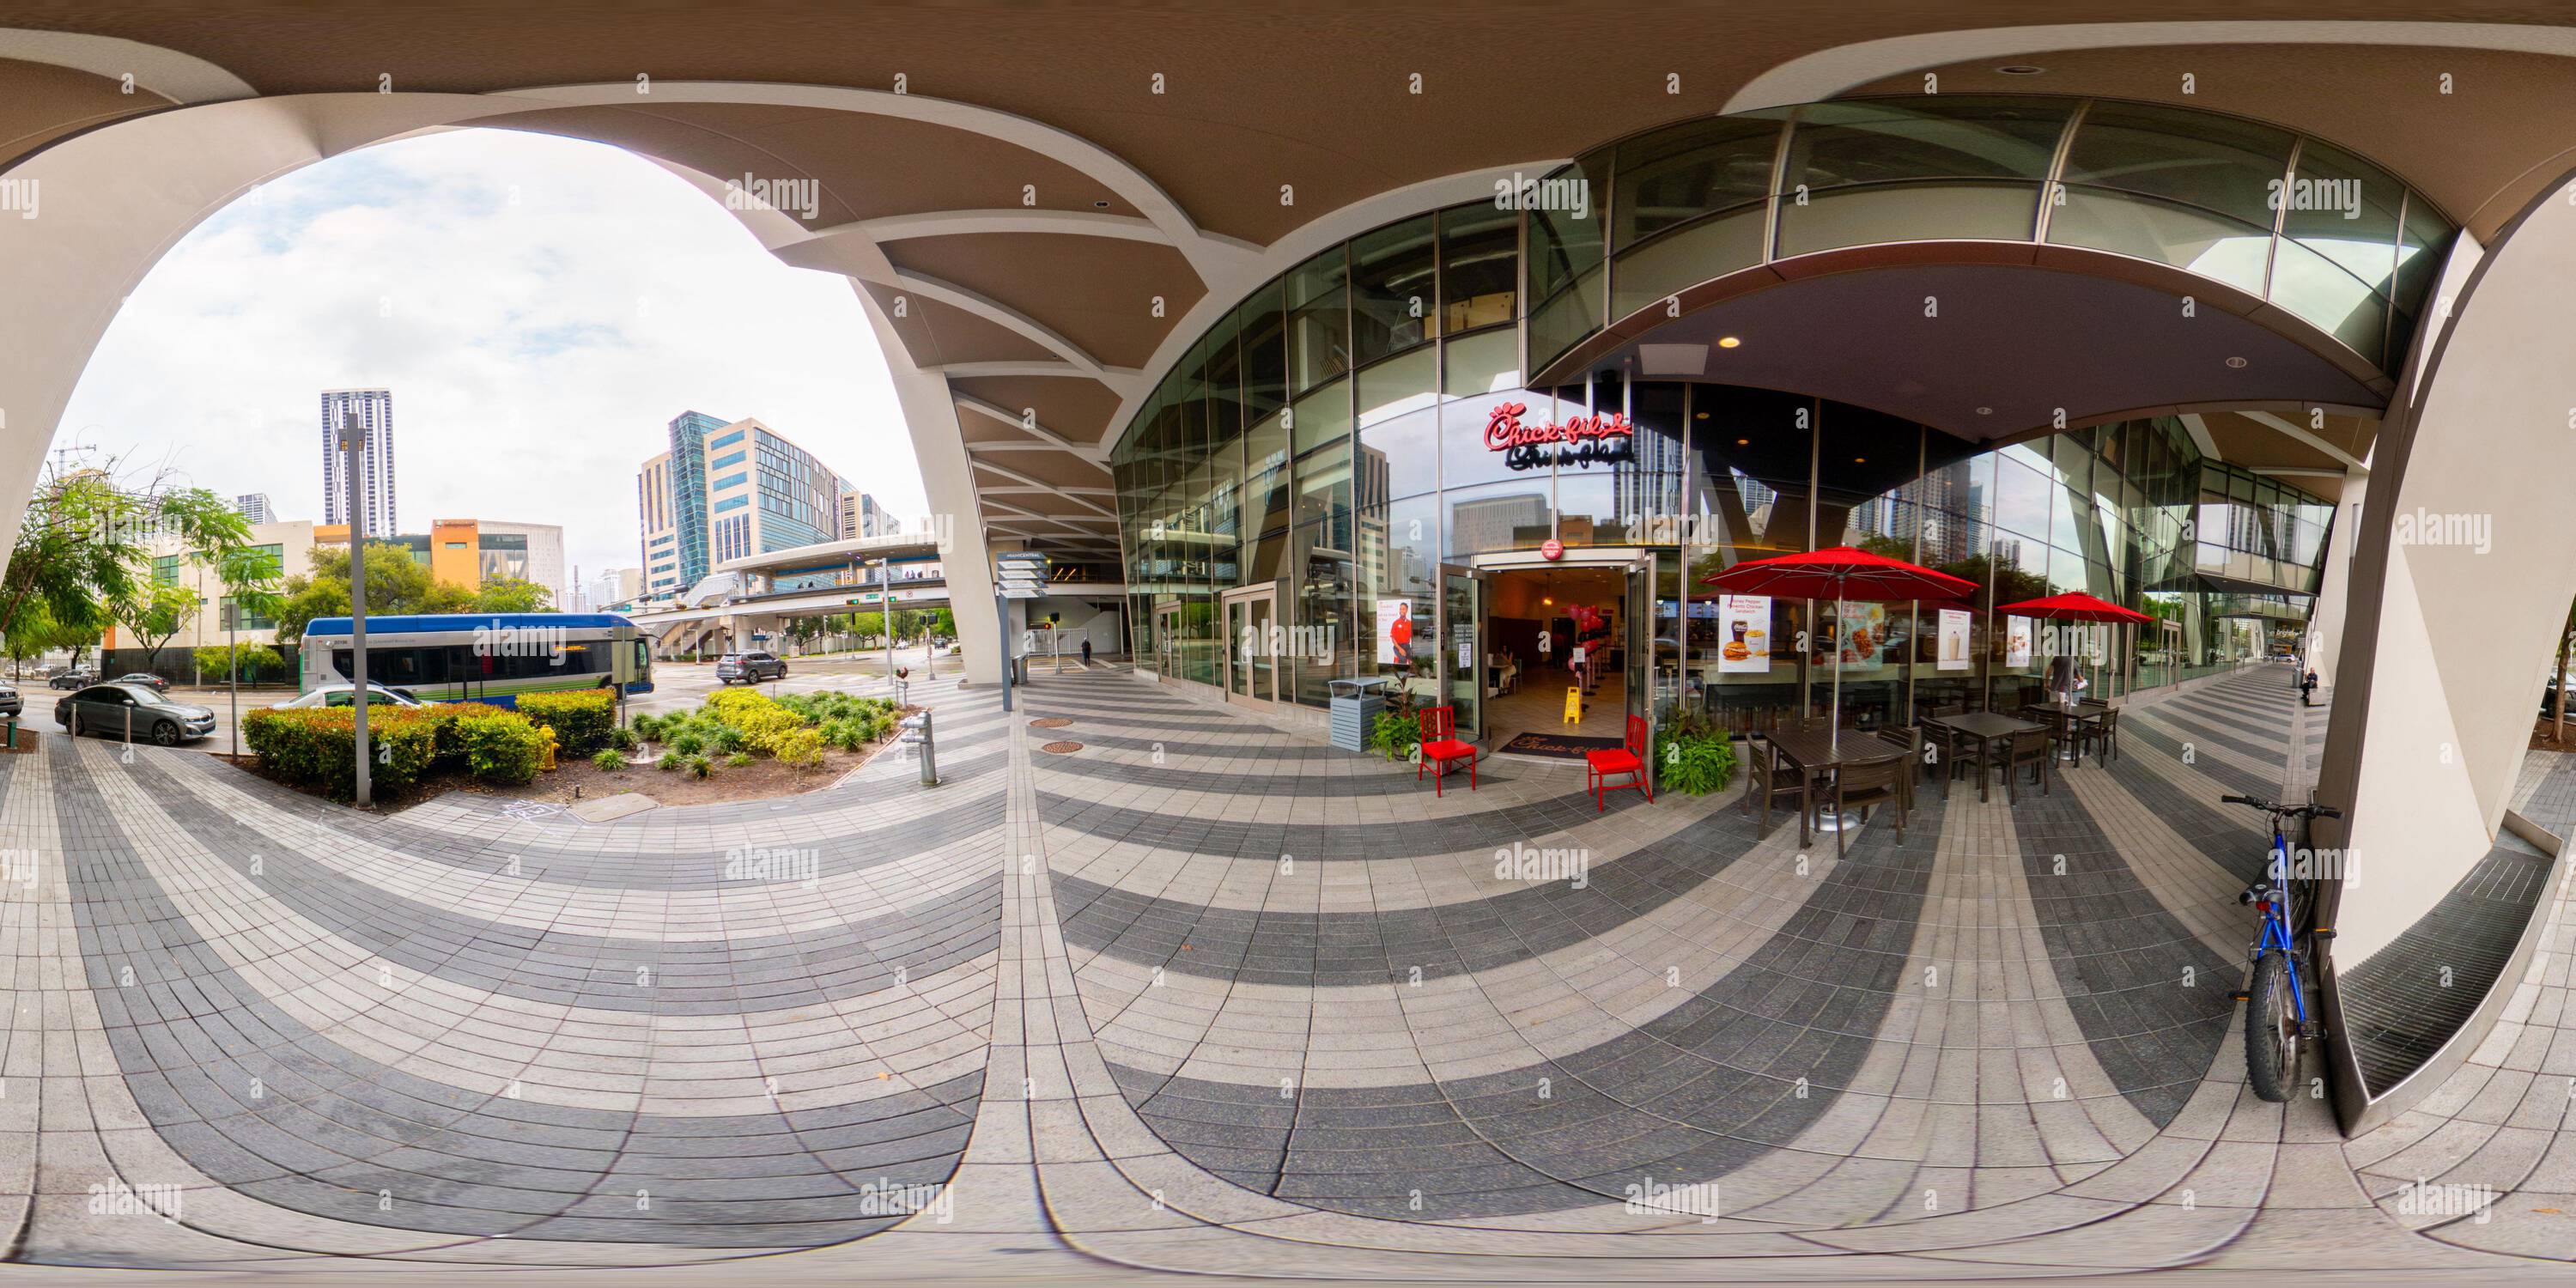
[(1363, 421), (2319, 232), (688, 467)]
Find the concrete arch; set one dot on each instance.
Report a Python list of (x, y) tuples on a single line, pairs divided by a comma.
[(1828, 72), (2446, 643), (120, 196)]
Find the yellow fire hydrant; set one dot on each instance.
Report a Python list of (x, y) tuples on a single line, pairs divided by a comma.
[(547, 765)]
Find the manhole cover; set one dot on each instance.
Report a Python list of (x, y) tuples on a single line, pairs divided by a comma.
[(1062, 748), (1050, 722)]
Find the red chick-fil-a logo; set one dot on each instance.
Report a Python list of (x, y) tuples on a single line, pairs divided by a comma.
[(1580, 440)]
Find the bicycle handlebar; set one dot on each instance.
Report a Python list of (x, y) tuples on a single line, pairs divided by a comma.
[(2311, 810)]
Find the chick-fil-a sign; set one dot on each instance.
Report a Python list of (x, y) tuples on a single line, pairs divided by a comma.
[(1579, 441)]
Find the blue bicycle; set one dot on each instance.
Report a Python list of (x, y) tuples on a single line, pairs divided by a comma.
[(2277, 1019)]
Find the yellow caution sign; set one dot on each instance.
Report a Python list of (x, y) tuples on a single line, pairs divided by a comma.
[(1573, 705)]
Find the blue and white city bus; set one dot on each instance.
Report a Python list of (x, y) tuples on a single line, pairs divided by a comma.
[(484, 657)]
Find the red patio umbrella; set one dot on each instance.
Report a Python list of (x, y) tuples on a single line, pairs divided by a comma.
[(2074, 606), (1838, 572)]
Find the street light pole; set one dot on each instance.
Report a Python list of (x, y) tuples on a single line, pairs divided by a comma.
[(885, 591), (353, 442)]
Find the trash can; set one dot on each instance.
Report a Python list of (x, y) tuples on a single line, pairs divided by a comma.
[(1355, 705)]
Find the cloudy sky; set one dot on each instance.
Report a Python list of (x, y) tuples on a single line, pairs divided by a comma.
[(541, 309)]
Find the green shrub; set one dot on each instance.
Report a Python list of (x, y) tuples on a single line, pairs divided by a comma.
[(728, 740), (606, 758), (1693, 756), (623, 739), (646, 728), (581, 718), (1395, 735), (797, 747), (738, 759), (316, 748), (701, 767), (670, 760), (762, 720), (687, 742), (502, 747)]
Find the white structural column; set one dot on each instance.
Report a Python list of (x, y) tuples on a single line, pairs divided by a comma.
[(2462, 570), (948, 479), (2334, 581)]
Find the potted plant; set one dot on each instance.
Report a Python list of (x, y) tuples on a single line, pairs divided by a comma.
[(1693, 755)]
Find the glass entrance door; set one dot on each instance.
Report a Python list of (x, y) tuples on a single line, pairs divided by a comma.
[(1465, 675), (1167, 639), (1641, 670), (1252, 645)]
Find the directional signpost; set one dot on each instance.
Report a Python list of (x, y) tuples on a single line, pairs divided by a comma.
[(1018, 574)]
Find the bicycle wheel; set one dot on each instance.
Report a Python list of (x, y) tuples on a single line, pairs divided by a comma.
[(2271, 1030)]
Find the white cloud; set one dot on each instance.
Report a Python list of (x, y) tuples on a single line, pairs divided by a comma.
[(541, 309)]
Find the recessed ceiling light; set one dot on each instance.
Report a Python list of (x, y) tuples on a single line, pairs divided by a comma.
[(1744, 442), (1102, 205), (2020, 69), (2237, 363), (1985, 411), (1728, 342), (1860, 460), (1703, 415)]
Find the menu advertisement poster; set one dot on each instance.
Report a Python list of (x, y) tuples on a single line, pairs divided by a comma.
[(1862, 632), (1954, 640), (1395, 632), (1744, 634), (2016, 642)]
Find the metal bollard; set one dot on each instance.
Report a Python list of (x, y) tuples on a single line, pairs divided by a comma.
[(918, 732)]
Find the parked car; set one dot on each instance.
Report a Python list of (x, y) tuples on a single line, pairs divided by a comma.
[(750, 668), (10, 703), (73, 679), (133, 710), (343, 695), (158, 684)]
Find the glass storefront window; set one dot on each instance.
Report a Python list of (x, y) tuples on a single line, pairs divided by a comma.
[(1480, 254), (2212, 163), (1673, 176), (1945, 137), (1494, 517), (1319, 324), (1399, 420), (1394, 294), (2345, 209)]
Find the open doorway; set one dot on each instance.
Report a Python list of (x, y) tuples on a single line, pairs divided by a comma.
[(1557, 634)]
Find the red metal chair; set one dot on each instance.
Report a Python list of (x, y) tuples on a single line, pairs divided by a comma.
[(1629, 760), (1440, 746)]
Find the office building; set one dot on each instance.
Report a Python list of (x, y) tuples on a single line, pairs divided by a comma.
[(254, 507), (723, 490), (374, 412), (471, 552)]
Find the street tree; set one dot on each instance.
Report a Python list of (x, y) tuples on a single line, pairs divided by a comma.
[(396, 583), (156, 611), (85, 545)]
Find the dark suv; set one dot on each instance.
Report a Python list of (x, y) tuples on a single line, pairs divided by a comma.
[(750, 668)]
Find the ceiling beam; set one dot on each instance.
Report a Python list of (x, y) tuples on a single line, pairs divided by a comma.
[(2200, 438), (2292, 429), (1027, 423)]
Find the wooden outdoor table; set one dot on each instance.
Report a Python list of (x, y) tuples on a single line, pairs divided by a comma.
[(2065, 715), (1987, 728), (1814, 753)]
